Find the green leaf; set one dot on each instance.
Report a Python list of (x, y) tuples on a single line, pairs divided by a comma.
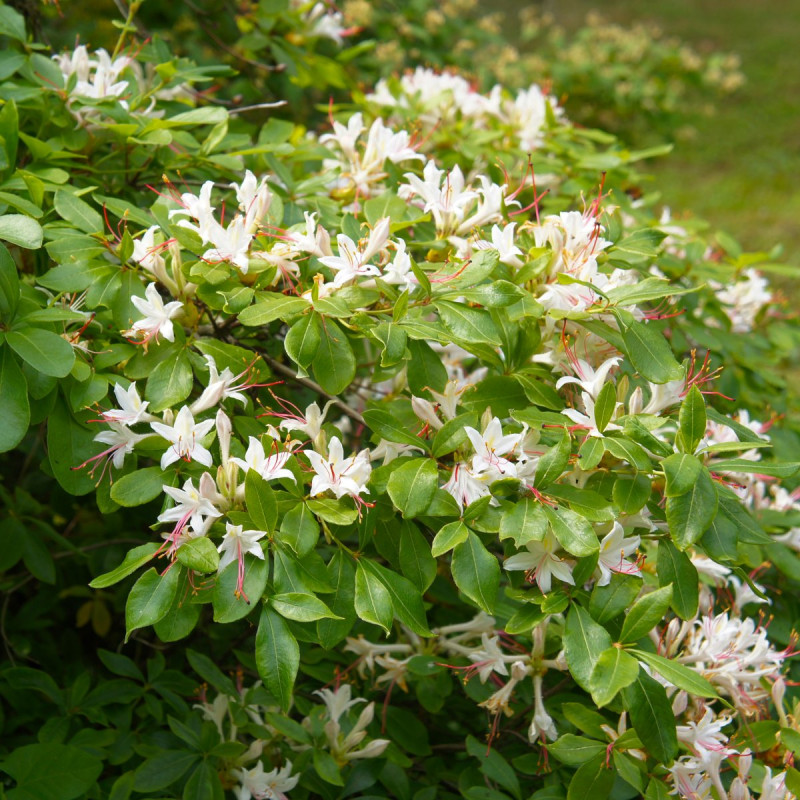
[(21, 231), (406, 598), (303, 338), (337, 512), (677, 674), (689, 515), (452, 435), (150, 598), (524, 522), (204, 783), (645, 614), (639, 246), (51, 771), (524, 619), (692, 420), (272, 306), (261, 503), (680, 471), (468, 324), (138, 487), (575, 750), (553, 463), (412, 486), (574, 533), (394, 340), (78, 212), (651, 714), (613, 671), (44, 350), (134, 559), (450, 535), (676, 568), (14, 391), (584, 641), (591, 781), (69, 445), (373, 603), (299, 529), (647, 349), (230, 606), (631, 492), (605, 405), (476, 572), (183, 614), (416, 561), (277, 656), (301, 607), (342, 574), (609, 601), (334, 364), (9, 285), (199, 554), (170, 383), (163, 769), (390, 428), (425, 369), (494, 766), (773, 469)]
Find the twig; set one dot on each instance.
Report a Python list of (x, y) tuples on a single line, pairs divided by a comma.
[(289, 373)]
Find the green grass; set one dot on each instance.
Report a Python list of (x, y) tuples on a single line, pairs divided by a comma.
[(741, 169)]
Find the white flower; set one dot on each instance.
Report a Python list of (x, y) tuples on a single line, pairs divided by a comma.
[(131, 408), (398, 270), (122, 441), (705, 736), (503, 243), (268, 467), (157, 316), (255, 784), (230, 244), (199, 208), (310, 424), (254, 200), (185, 436), (220, 387), (490, 658), (342, 476), (743, 299), (542, 563), (145, 252), (490, 447), (464, 486), (352, 259), (338, 701), (194, 506), (613, 548), (589, 379), (237, 542)]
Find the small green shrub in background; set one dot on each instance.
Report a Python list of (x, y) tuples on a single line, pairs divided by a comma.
[(421, 454)]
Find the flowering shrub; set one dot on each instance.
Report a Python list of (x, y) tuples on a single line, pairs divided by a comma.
[(410, 424)]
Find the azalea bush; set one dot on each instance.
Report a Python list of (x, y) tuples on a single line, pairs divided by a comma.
[(416, 454)]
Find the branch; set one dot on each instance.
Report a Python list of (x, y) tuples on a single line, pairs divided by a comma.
[(289, 373)]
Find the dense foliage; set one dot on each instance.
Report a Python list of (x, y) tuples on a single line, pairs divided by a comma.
[(421, 453)]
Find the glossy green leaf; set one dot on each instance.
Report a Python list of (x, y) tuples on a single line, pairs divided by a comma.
[(230, 605), (574, 533), (16, 408), (692, 420), (689, 515), (651, 714), (584, 641), (150, 598), (554, 462), (134, 559), (647, 612), (476, 572), (138, 487), (301, 607), (334, 365), (677, 674), (373, 603), (412, 486), (21, 231), (199, 554), (44, 350), (303, 339), (613, 671), (261, 503), (277, 656), (524, 522), (77, 211), (676, 568)]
